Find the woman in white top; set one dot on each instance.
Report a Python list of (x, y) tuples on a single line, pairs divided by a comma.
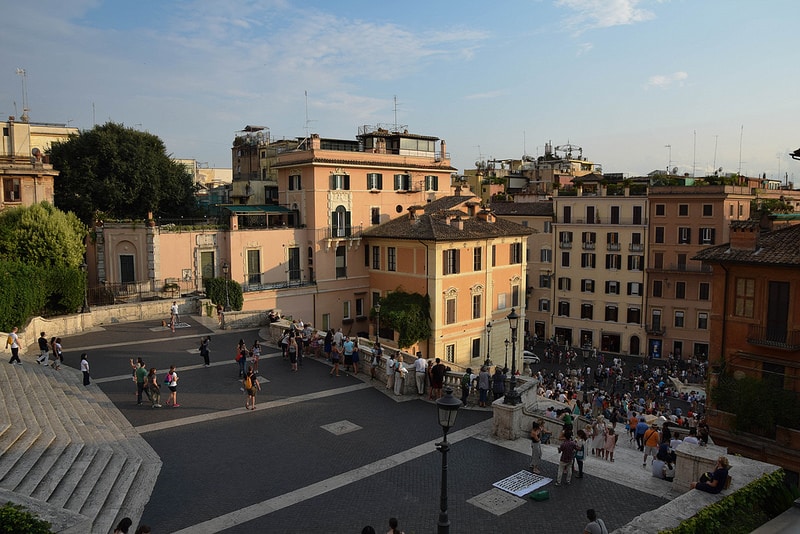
[(85, 369), (172, 383)]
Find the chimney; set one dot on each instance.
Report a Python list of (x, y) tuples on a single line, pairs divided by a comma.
[(316, 144), (744, 235), (486, 215), (412, 213), (472, 208), (457, 222)]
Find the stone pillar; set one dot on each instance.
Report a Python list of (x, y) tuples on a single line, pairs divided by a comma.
[(694, 460), (506, 420)]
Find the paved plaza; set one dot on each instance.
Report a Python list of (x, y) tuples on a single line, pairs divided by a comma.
[(329, 453)]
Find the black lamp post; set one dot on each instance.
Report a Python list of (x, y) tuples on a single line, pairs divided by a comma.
[(512, 397), (505, 366), (488, 361), (447, 407), (85, 269), (225, 269), (378, 327)]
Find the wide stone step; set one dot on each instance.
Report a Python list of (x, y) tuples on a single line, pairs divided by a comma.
[(19, 450), (78, 481)]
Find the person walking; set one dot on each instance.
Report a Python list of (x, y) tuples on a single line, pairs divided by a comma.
[(293, 351), (205, 350), (611, 444), (172, 384), (255, 353), (651, 440), (580, 451), (251, 386), (336, 356), (241, 356), (498, 383), (140, 374), (390, 369), (85, 369), (567, 450), (13, 342), (377, 356), (437, 379), (44, 350), (173, 315), (536, 447), (399, 375), (466, 385), (484, 383), (59, 352), (595, 524), (154, 388), (420, 372), (347, 348)]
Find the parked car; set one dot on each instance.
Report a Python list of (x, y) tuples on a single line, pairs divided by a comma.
[(529, 357)]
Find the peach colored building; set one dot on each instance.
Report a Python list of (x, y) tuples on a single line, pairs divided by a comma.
[(470, 263)]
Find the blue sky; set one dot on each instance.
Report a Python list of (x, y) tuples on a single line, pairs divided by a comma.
[(716, 80)]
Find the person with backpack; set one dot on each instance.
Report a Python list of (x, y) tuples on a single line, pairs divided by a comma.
[(172, 383), (466, 385), (205, 351), (251, 385), (567, 449)]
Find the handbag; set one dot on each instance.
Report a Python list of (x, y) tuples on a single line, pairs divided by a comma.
[(579, 454)]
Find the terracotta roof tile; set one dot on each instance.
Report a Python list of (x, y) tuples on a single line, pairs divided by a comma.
[(778, 247)]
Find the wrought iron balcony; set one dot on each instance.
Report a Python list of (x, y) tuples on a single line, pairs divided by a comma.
[(655, 330), (779, 338)]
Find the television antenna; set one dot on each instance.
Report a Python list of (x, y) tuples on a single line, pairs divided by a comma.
[(24, 75)]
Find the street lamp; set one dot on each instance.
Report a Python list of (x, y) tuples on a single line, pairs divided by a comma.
[(85, 307), (225, 269), (488, 361), (447, 407), (512, 397), (378, 327), (505, 365)]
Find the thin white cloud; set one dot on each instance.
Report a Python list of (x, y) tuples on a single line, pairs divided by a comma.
[(591, 14), (486, 95), (665, 80), (584, 48)]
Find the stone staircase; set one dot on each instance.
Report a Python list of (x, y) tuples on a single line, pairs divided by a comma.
[(68, 454)]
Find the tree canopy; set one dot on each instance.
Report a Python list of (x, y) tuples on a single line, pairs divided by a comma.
[(409, 314), (41, 235), (121, 173)]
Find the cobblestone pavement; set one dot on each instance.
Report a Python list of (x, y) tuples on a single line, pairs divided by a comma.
[(329, 454)]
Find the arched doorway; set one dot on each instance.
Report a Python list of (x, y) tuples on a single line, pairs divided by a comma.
[(634, 346)]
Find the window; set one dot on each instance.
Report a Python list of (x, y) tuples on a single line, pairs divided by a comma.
[(741, 210), (254, 266), (679, 319), (544, 280), (375, 215), (431, 183), (450, 353), (567, 214), (477, 308), (656, 318), (614, 214), (658, 288), (612, 241), (683, 210), (515, 295), (376, 257), (745, 297), (635, 263), (613, 261), (564, 283), (548, 227), (391, 259), (730, 210), (515, 252), (637, 215), (341, 262), (546, 255), (476, 348), (612, 287), (11, 190), (680, 290), (450, 311), (563, 308), (589, 239), (340, 222), (587, 311), (706, 236), (587, 286), (326, 321), (346, 309), (544, 305), (702, 321), (661, 210), (565, 239), (374, 180), (634, 316), (477, 259), (658, 260), (590, 215), (294, 182), (360, 307), (705, 289), (340, 181), (684, 235), (294, 264), (402, 182), (681, 262), (659, 236), (494, 255), (451, 261), (708, 210), (612, 313), (565, 259), (634, 288), (588, 260)]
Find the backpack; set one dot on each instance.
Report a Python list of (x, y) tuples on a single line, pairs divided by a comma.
[(465, 380), (168, 378), (248, 383)]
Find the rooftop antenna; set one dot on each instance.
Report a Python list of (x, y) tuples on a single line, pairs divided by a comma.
[(694, 153), (669, 158), (716, 139), (395, 114), (22, 74), (741, 135)]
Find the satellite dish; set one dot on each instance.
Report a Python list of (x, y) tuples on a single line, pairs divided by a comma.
[(674, 170)]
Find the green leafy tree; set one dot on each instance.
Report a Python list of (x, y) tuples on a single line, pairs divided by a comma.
[(41, 235), (14, 518), (215, 289), (121, 172), (409, 314)]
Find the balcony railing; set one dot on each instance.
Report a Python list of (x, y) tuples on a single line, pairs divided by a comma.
[(588, 246), (778, 338), (655, 330), (635, 247), (565, 244), (614, 246), (343, 232)]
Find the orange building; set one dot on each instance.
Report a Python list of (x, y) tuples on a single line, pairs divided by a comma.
[(755, 334)]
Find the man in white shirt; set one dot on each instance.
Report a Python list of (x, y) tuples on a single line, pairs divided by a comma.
[(13, 341), (420, 369), (692, 437), (595, 524)]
